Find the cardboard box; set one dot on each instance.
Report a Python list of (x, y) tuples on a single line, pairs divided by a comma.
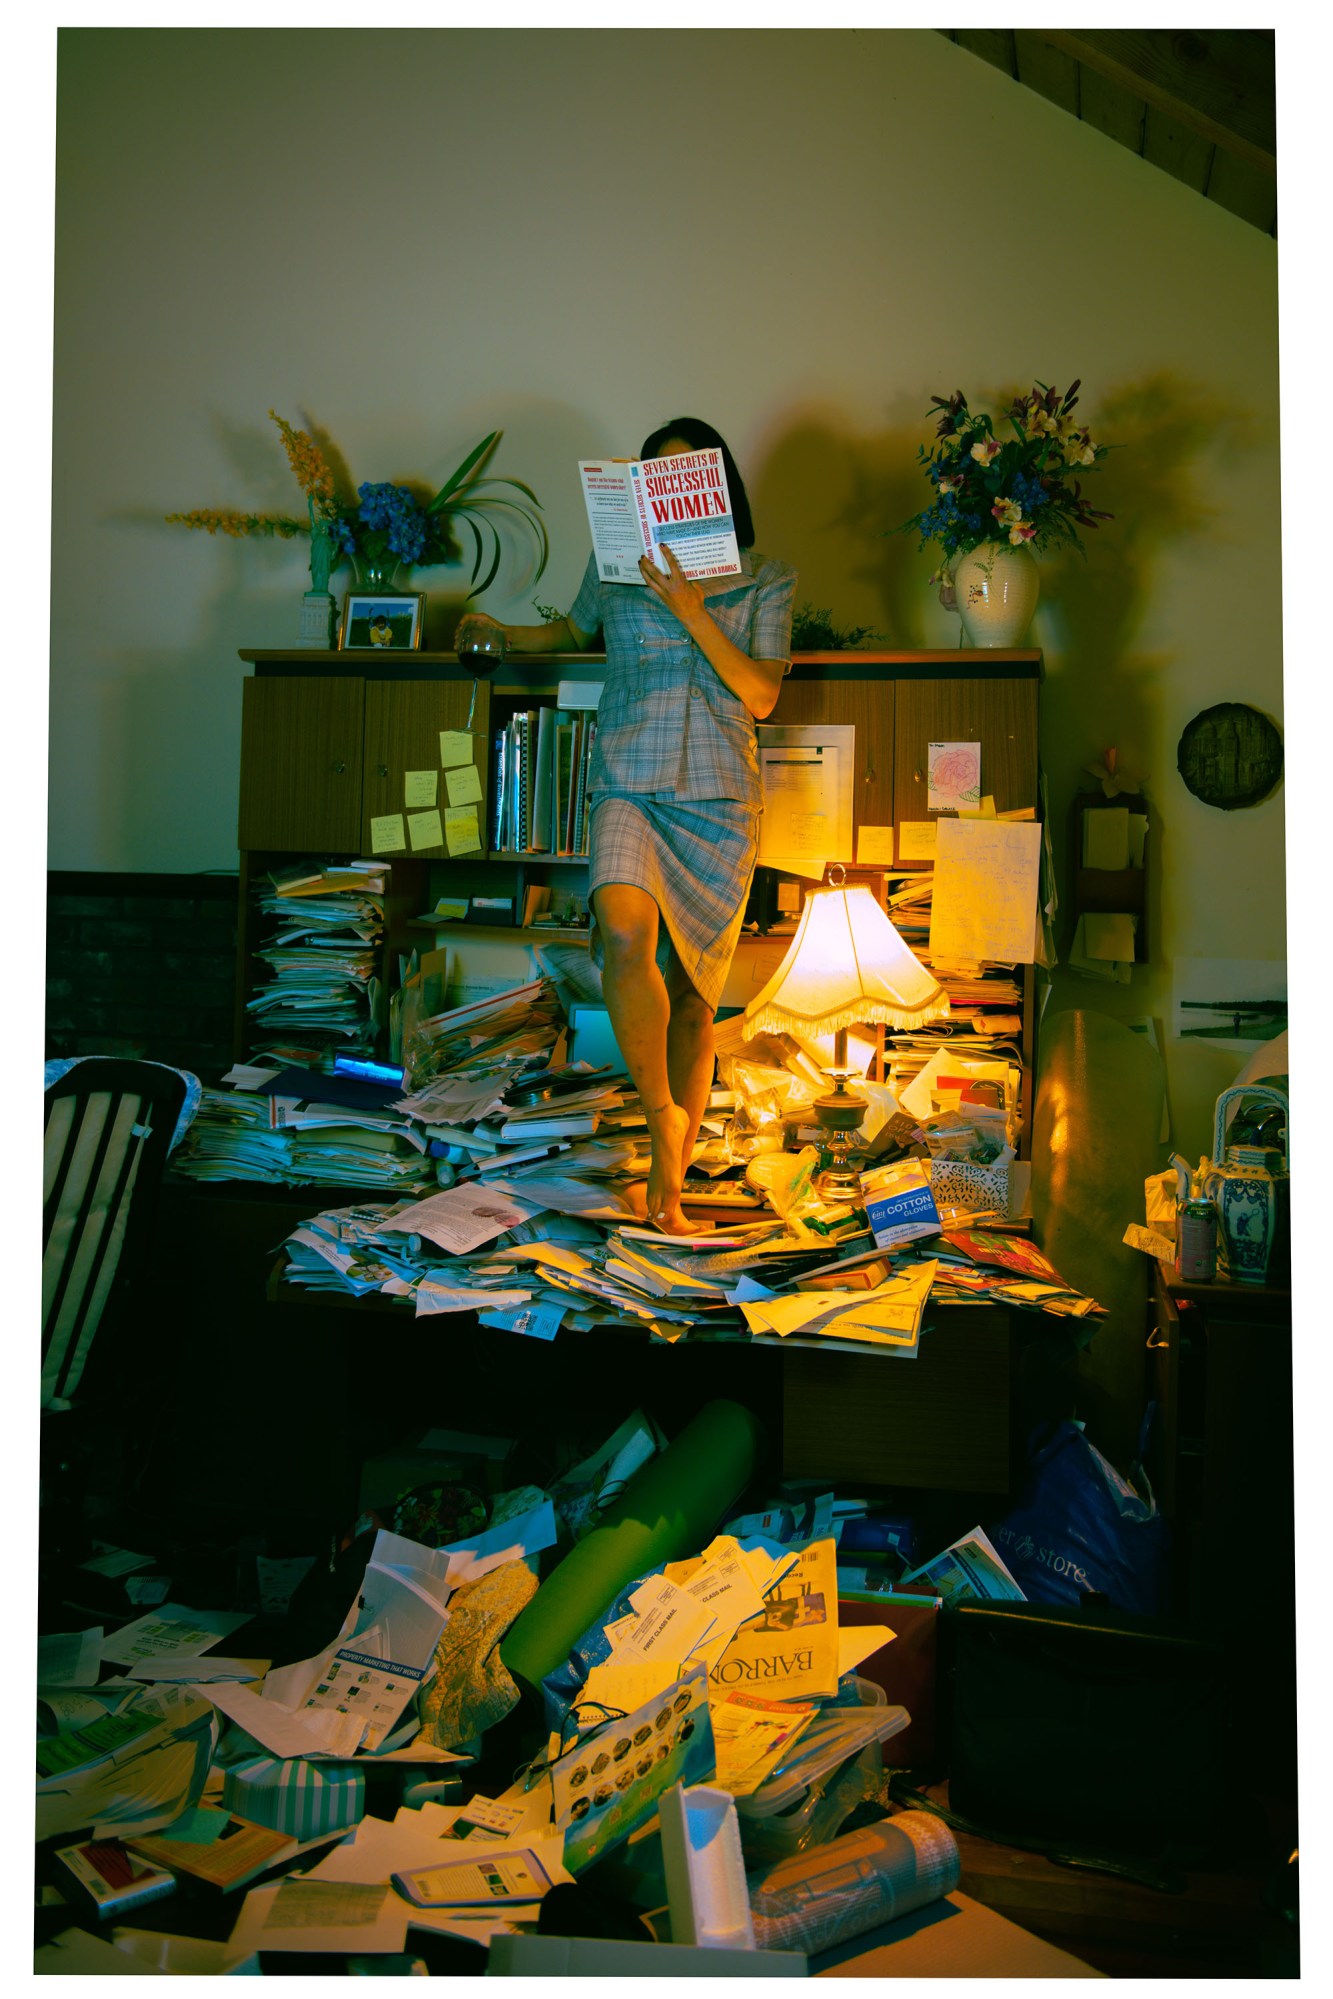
[(905, 1670)]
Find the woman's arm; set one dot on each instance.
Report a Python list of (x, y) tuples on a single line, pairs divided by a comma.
[(756, 682), (558, 635)]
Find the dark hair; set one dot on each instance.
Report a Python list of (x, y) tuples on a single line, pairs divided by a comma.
[(701, 436)]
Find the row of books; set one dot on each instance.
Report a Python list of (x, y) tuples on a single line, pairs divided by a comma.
[(541, 781)]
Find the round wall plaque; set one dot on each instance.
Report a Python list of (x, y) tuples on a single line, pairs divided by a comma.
[(1230, 755)]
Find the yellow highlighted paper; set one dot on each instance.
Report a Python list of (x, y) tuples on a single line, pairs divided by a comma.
[(874, 847), (463, 784), (916, 840), (462, 834), (455, 748), (425, 829), (387, 835), (420, 787)]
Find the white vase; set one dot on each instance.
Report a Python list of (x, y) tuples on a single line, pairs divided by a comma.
[(997, 589)]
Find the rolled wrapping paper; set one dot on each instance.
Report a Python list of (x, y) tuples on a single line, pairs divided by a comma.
[(854, 1884), (294, 1796), (669, 1509)]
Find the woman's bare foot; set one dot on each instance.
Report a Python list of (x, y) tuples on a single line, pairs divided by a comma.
[(667, 1129)]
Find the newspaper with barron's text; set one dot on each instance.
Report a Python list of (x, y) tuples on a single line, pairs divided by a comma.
[(636, 504)]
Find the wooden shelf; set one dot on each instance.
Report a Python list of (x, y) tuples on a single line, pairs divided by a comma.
[(512, 933), (1109, 891)]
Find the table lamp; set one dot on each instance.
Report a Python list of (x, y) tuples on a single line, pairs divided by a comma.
[(846, 964)]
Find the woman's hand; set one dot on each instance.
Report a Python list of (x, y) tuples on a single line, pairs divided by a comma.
[(681, 595), (477, 631)]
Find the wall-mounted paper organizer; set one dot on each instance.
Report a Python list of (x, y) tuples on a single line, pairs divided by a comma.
[(1108, 848)]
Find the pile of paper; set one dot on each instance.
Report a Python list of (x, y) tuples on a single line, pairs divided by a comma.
[(979, 1267), (257, 1131), (322, 953)]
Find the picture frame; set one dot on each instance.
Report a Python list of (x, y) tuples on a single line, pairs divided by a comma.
[(382, 621)]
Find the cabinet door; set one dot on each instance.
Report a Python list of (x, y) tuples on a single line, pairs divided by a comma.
[(404, 722), (1001, 715), (301, 764), (868, 705)]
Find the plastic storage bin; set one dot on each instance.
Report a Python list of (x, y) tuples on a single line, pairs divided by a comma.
[(836, 1763)]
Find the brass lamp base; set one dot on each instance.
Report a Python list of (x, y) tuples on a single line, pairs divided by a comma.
[(839, 1116)]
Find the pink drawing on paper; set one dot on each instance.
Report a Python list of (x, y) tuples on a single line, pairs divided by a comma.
[(955, 776)]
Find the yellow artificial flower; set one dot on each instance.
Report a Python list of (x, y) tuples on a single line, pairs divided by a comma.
[(307, 462)]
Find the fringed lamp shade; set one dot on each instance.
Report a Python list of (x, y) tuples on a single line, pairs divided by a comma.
[(846, 964)]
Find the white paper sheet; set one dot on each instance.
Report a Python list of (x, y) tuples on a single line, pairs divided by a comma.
[(170, 1631), (302, 1914), (70, 1658), (984, 905), (461, 1218)]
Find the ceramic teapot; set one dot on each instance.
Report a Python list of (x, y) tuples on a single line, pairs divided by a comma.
[(1249, 1185)]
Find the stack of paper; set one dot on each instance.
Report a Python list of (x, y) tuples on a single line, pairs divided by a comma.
[(322, 952)]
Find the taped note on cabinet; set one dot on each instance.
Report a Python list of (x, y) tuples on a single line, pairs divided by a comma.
[(984, 904)]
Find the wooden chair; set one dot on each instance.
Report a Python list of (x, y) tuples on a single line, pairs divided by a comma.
[(109, 1128)]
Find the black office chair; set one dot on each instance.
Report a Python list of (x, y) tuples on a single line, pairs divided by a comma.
[(110, 1124)]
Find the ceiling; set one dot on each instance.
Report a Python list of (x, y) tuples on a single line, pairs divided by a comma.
[(1198, 103)]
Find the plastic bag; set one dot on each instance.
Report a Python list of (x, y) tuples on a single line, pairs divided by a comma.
[(1080, 1526)]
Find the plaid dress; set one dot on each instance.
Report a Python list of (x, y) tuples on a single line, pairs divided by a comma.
[(674, 785)]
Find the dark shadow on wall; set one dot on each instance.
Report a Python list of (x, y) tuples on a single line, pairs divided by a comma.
[(829, 501)]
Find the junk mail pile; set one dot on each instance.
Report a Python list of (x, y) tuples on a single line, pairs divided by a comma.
[(516, 1188), (620, 1665)]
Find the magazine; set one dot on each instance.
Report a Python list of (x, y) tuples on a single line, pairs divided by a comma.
[(790, 1650), (636, 504)]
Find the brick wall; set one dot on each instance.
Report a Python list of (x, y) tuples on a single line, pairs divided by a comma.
[(142, 965)]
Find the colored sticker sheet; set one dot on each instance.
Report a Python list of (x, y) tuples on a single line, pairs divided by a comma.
[(610, 1781)]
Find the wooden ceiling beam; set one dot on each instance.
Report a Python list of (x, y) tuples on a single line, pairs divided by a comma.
[(1216, 83)]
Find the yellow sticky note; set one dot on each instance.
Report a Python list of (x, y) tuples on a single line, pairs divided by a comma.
[(455, 748), (420, 787), (425, 829), (463, 784), (386, 834), (916, 840), (462, 835), (986, 809), (874, 847)]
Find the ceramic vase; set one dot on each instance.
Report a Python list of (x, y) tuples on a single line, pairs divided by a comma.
[(1250, 1187), (997, 589)]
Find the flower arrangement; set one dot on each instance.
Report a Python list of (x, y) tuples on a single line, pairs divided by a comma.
[(386, 524), (1022, 489)]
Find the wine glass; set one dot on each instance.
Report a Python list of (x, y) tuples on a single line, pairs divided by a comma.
[(481, 644)]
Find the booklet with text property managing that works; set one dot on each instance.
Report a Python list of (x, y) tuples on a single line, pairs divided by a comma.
[(636, 504)]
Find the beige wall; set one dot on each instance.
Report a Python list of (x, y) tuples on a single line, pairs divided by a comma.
[(799, 235)]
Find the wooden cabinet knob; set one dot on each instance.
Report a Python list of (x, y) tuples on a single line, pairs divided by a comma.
[(339, 767)]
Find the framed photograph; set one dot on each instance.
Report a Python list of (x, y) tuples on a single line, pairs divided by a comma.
[(376, 623)]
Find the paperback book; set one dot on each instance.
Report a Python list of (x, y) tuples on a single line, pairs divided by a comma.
[(636, 504)]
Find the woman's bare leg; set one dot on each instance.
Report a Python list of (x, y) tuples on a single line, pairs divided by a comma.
[(639, 1007), (689, 1050)]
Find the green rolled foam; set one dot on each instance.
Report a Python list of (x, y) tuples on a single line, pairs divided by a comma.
[(669, 1509)]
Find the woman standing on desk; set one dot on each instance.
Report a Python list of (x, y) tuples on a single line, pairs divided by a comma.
[(674, 800)]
